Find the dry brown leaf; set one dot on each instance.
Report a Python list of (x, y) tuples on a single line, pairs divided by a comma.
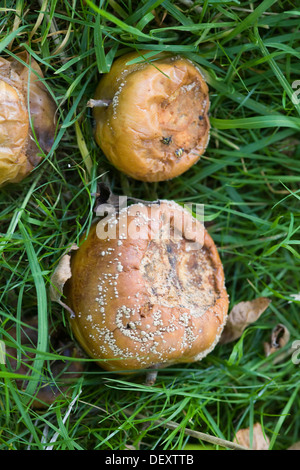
[(279, 338), (295, 446), (242, 315), (259, 440), (60, 276)]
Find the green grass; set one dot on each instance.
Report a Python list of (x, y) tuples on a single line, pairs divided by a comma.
[(248, 180)]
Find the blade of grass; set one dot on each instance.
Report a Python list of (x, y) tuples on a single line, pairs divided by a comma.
[(17, 215), (42, 310), (10, 37), (124, 26), (249, 20), (259, 122), (277, 72), (283, 417), (196, 434)]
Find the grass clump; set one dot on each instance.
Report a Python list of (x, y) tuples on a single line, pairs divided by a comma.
[(248, 181)]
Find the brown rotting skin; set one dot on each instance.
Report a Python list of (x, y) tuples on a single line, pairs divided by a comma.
[(19, 153), (156, 124), (129, 315)]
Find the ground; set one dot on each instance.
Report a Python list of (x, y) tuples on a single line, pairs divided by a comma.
[(248, 180)]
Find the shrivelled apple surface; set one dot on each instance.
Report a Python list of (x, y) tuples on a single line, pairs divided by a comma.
[(152, 122), (150, 293), (27, 115)]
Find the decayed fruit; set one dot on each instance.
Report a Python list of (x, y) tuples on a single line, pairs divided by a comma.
[(19, 153), (152, 118), (145, 288)]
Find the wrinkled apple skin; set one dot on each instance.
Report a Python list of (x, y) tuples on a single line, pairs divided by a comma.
[(156, 125), (14, 125), (19, 113)]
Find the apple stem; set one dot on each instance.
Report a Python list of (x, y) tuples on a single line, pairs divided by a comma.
[(98, 103), (151, 374), (72, 314)]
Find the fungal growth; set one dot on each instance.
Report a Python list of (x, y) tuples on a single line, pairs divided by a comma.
[(146, 287), (27, 115), (155, 123)]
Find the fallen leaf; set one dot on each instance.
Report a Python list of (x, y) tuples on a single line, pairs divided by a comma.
[(295, 446), (61, 274), (242, 315), (59, 277), (279, 338), (259, 440)]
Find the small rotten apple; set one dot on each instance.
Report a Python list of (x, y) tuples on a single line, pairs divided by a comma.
[(152, 117), (25, 104)]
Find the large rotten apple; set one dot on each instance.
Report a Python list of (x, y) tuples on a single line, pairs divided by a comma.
[(152, 118), (145, 288), (27, 115)]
